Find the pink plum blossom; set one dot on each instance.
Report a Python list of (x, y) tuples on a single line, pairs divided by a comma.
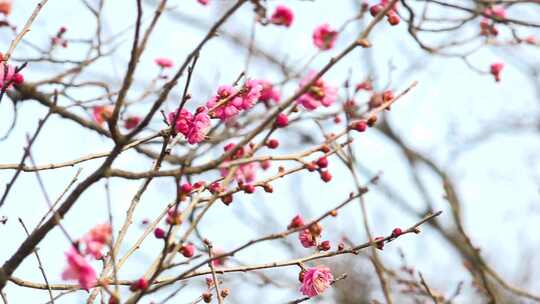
[(324, 37), (164, 63), (497, 11), (228, 101), (5, 7), (7, 79), (306, 238), (193, 127), (96, 239), (282, 15), (102, 113), (269, 92), (496, 69), (318, 94), (316, 280), (79, 269)]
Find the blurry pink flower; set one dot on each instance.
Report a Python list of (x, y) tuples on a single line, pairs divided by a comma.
[(296, 222), (203, 2), (282, 15), (364, 85), (79, 269), (324, 37), (132, 122), (496, 11), (268, 92), (164, 63), (187, 250), (531, 40), (6, 79), (219, 261), (316, 280), (193, 127), (306, 238), (5, 7), (182, 121), (245, 173), (487, 29), (102, 113), (96, 239), (251, 93), (318, 94), (199, 126), (495, 70)]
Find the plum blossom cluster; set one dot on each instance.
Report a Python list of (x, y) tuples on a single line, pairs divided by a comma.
[(229, 102), (59, 39), (90, 245), (193, 126), (317, 279)]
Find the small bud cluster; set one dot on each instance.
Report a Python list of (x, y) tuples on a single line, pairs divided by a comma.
[(391, 16)]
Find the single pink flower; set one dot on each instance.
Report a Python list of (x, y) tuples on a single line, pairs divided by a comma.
[(318, 94), (79, 269), (316, 280), (324, 37), (296, 222), (497, 11), (96, 239), (5, 7), (531, 40), (102, 113), (496, 69), (193, 127), (199, 126), (282, 15), (164, 63), (224, 103), (306, 238), (219, 261), (269, 92), (251, 93), (203, 2)]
